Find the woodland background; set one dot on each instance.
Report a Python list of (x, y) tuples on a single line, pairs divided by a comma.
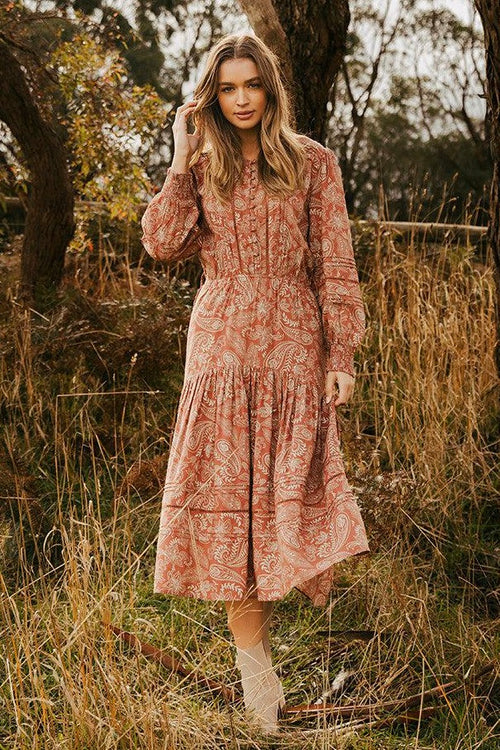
[(92, 337)]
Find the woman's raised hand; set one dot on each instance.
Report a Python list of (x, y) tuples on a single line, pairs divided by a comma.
[(185, 143)]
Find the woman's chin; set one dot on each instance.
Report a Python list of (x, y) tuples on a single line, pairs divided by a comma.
[(249, 124)]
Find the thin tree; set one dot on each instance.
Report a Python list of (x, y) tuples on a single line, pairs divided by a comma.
[(309, 37), (489, 11)]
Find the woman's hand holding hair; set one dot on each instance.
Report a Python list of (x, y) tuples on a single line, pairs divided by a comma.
[(345, 384), (185, 143)]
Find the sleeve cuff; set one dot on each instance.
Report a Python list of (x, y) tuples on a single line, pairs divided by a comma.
[(341, 361), (182, 182)]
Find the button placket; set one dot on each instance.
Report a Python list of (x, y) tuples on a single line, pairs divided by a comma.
[(253, 215)]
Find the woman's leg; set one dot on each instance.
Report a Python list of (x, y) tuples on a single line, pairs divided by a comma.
[(267, 611), (249, 622)]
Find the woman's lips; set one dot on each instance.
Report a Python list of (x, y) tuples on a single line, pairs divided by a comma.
[(243, 115)]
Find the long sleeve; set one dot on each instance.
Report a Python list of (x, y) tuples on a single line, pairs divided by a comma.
[(171, 223), (334, 276)]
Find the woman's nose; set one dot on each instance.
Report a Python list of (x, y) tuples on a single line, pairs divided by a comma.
[(242, 97)]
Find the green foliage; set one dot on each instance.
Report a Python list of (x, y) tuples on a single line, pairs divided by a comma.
[(109, 122)]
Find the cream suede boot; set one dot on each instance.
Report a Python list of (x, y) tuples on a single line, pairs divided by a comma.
[(262, 689), (273, 675), (268, 608)]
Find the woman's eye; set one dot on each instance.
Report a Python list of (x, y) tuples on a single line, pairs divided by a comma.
[(225, 89)]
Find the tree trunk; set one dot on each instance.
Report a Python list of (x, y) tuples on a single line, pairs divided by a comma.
[(309, 37), (489, 10), (49, 219)]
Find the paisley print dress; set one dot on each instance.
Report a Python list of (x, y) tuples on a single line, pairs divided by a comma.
[(255, 495)]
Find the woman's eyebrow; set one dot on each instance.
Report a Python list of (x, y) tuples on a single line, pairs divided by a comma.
[(230, 83)]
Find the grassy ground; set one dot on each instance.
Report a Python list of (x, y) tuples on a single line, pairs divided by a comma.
[(88, 392)]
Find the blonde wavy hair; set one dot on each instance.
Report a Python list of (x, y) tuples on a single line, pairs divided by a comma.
[(282, 154)]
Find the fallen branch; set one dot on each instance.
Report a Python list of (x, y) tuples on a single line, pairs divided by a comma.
[(416, 714), (371, 711), (170, 662), (360, 709), (348, 727)]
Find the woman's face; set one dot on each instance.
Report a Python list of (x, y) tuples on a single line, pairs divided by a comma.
[(240, 91)]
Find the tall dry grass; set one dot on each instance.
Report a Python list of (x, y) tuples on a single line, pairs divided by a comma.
[(88, 392)]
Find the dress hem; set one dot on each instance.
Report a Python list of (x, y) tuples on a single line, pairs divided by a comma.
[(318, 601)]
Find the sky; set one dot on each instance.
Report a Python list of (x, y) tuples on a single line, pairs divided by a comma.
[(462, 8)]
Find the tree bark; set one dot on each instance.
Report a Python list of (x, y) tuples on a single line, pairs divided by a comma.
[(489, 11), (50, 221), (309, 37)]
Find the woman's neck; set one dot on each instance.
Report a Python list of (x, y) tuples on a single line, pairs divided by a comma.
[(250, 145)]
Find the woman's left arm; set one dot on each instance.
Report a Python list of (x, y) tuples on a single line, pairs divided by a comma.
[(335, 276)]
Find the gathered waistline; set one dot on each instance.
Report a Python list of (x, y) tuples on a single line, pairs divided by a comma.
[(270, 276)]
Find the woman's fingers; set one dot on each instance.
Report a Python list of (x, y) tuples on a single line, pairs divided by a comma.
[(186, 105), (182, 113), (345, 384), (184, 109), (345, 393), (184, 142)]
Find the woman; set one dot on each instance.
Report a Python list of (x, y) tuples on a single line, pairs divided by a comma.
[(256, 500)]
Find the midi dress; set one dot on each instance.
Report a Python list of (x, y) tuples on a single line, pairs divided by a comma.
[(256, 496)]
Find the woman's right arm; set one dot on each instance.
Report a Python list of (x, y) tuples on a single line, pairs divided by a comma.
[(171, 228), (171, 224)]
